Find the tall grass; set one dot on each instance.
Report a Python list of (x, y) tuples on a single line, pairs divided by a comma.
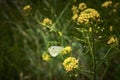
[(94, 44)]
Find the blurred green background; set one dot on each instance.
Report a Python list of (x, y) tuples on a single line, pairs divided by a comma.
[(13, 59)]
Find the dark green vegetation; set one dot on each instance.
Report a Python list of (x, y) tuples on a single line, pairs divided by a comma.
[(20, 53)]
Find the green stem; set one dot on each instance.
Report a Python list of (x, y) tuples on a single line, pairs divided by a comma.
[(107, 53), (90, 43), (105, 71), (94, 63), (62, 13), (104, 58)]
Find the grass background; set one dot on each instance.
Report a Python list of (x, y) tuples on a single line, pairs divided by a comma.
[(13, 59)]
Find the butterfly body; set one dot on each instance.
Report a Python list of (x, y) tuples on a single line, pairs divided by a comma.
[(55, 50)]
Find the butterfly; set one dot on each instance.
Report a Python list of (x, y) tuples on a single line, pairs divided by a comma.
[(55, 50)]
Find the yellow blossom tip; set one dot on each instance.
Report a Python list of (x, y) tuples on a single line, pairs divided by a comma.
[(106, 4), (111, 28), (82, 6), (66, 50), (46, 57), (47, 21), (60, 33), (27, 8), (112, 40)]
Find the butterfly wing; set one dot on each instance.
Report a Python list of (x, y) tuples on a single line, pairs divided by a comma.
[(55, 50)]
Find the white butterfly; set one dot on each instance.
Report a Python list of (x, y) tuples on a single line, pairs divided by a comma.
[(55, 50)]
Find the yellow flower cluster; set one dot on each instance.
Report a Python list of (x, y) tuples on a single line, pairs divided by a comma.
[(82, 6), (75, 9), (66, 50), (46, 57), (88, 14), (82, 14), (106, 4), (27, 8), (47, 21), (112, 40), (70, 64)]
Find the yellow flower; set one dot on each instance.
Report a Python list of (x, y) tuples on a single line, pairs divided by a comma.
[(46, 57), (88, 14), (76, 75), (75, 9), (111, 40), (47, 21), (111, 28), (90, 29), (75, 16), (60, 33), (82, 6), (106, 4), (70, 64), (27, 8), (66, 50)]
